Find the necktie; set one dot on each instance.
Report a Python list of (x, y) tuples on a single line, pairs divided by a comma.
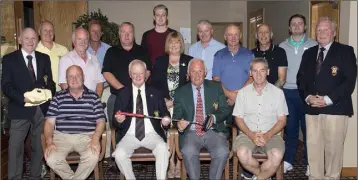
[(199, 117), (319, 60), (139, 128), (30, 67)]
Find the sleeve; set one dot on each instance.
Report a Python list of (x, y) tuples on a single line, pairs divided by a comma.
[(239, 108), (349, 70), (282, 109), (223, 110), (6, 82), (63, 65), (178, 108), (52, 111), (216, 65), (144, 41), (300, 77), (98, 109), (282, 60), (145, 58), (118, 105), (100, 78), (107, 61)]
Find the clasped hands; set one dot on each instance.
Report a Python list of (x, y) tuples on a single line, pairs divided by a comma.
[(316, 101), (260, 139)]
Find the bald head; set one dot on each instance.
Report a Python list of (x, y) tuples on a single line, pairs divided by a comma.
[(74, 77), (28, 40), (232, 35), (264, 35), (80, 39)]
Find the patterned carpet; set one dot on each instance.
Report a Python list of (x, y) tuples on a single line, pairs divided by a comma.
[(298, 172)]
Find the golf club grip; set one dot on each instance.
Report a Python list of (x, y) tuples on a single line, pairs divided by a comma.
[(130, 114)]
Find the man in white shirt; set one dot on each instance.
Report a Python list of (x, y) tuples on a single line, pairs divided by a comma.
[(79, 56)]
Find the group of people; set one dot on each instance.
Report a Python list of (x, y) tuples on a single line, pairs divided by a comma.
[(298, 83)]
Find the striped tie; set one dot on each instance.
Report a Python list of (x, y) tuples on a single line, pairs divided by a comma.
[(30, 67), (139, 128), (199, 117)]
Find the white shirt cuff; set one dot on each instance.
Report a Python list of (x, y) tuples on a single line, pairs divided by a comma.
[(327, 100)]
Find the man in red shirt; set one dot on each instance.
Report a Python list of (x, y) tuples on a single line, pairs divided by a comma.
[(154, 40)]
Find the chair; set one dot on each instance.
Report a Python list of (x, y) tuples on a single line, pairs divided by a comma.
[(142, 154), (74, 158), (203, 156), (259, 157)]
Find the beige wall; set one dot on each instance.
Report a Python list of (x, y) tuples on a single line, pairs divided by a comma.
[(219, 11), (277, 14), (140, 13), (350, 146)]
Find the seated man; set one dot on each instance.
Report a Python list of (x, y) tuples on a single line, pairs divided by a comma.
[(132, 132), (193, 103), (77, 115), (260, 113)]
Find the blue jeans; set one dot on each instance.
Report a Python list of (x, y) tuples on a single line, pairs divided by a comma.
[(295, 118)]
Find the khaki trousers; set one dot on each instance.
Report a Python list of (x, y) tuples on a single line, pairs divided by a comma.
[(67, 143), (325, 144), (105, 95)]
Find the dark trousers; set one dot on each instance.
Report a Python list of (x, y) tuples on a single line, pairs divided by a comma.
[(295, 119), (19, 128)]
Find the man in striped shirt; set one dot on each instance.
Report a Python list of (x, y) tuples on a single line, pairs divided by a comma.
[(75, 122)]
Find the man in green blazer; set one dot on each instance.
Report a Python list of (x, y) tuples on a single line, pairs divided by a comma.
[(194, 102)]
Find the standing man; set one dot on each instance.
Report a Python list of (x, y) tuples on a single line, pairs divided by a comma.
[(195, 102), (206, 48), (154, 40), (133, 133), (96, 46), (326, 80), (49, 47), (295, 46), (66, 130), (88, 62), (22, 71), (116, 62), (275, 56), (232, 66)]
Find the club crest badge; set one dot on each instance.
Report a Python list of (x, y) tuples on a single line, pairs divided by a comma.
[(156, 113), (334, 70), (216, 106)]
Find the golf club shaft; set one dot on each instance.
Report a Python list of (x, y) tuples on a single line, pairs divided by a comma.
[(150, 117)]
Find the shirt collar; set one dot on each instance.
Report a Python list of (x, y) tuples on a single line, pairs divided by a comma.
[(211, 42), (24, 53), (101, 45), (326, 47), (194, 87), (54, 45), (142, 88), (85, 90), (271, 48), (89, 55), (265, 89), (299, 43)]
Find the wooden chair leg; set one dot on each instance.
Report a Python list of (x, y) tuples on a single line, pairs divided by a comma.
[(96, 173), (279, 173), (52, 175), (100, 166), (227, 170), (121, 177), (235, 168), (183, 171)]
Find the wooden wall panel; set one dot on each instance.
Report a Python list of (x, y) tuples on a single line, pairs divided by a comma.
[(7, 15), (62, 14), (323, 9)]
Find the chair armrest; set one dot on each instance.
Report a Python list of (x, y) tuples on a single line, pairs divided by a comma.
[(103, 145), (234, 134), (177, 150)]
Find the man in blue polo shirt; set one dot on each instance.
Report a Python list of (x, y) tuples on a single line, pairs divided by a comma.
[(75, 121), (232, 66)]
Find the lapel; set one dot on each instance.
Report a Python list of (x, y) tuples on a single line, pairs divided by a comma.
[(207, 94), (130, 107), (23, 66), (149, 98), (330, 54), (182, 70), (38, 67), (190, 102)]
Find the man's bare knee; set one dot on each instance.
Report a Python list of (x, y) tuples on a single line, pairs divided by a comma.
[(244, 154), (276, 156)]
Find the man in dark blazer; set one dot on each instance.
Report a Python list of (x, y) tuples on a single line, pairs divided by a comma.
[(193, 103), (133, 133), (326, 80), (22, 71)]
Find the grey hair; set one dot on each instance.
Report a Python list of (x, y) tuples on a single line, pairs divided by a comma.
[(204, 22), (74, 33), (259, 60), (326, 18), (136, 61), (196, 59), (45, 22)]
